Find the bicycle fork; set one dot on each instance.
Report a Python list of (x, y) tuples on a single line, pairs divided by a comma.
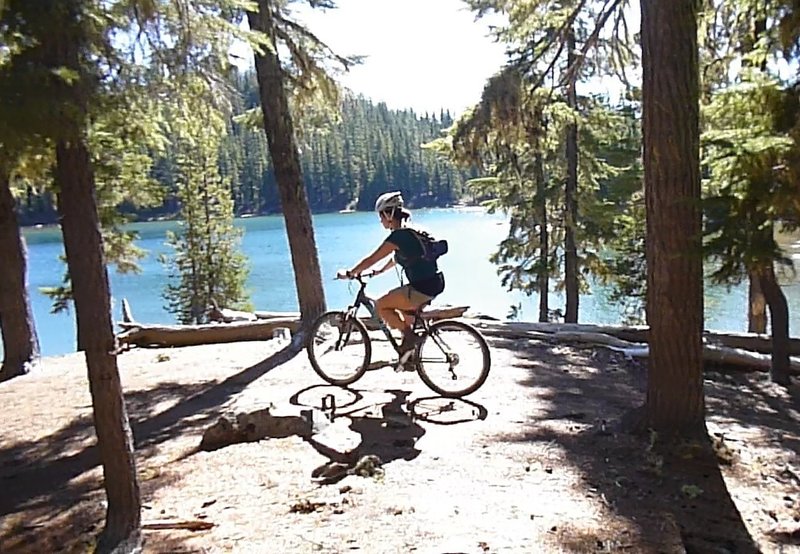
[(344, 333)]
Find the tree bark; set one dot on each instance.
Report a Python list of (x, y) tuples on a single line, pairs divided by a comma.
[(20, 343), (675, 402), (544, 240), (285, 160), (779, 323), (571, 195), (85, 260), (83, 245), (756, 306)]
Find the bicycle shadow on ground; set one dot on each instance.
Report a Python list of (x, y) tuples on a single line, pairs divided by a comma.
[(388, 429), (441, 410)]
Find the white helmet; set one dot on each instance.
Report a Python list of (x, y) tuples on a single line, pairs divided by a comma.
[(389, 200)]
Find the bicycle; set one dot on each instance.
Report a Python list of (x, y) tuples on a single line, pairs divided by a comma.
[(339, 340)]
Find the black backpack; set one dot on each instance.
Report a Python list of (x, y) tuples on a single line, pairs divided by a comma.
[(432, 249)]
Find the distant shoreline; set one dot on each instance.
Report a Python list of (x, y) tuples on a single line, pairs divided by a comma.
[(459, 205)]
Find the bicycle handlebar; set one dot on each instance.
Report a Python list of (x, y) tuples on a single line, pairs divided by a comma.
[(360, 278)]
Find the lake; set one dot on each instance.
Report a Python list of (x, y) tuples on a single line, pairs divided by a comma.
[(342, 239)]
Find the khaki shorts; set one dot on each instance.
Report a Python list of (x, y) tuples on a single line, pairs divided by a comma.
[(416, 297)]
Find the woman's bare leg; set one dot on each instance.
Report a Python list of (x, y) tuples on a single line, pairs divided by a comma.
[(388, 307)]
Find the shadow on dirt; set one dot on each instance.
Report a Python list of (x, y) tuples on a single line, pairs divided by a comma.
[(674, 494), (446, 411), (757, 402), (388, 428), (47, 477)]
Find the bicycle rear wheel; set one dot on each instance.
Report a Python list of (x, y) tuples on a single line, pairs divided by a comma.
[(339, 348), (453, 359)]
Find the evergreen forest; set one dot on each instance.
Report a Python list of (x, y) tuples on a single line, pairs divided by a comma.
[(349, 156)]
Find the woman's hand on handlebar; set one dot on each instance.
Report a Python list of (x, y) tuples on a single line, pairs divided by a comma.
[(347, 274)]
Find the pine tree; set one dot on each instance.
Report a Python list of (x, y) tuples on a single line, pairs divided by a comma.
[(552, 42), (207, 267), (517, 134), (751, 155), (749, 144), (56, 52)]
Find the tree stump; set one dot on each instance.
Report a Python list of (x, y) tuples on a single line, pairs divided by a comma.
[(253, 426)]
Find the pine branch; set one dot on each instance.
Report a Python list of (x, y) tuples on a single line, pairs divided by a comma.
[(560, 36), (571, 71), (296, 27)]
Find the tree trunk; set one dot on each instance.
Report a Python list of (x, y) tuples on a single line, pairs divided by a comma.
[(757, 303), (544, 240), (571, 194), (779, 323), (85, 260), (756, 306), (20, 344), (675, 402), (285, 160), (83, 246)]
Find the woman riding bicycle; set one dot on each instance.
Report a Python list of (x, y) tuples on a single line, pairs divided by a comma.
[(425, 279)]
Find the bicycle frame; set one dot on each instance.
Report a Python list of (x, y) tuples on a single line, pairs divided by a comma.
[(362, 299)]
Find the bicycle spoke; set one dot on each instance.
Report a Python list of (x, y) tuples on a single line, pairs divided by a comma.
[(453, 359), (339, 348)]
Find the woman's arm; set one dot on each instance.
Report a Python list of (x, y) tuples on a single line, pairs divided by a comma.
[(385, 249), (389, 265)]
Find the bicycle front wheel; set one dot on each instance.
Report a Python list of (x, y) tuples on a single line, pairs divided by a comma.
[(453, 359), (339, 348)]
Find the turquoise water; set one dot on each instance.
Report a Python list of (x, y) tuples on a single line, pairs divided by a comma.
[(342, 239)]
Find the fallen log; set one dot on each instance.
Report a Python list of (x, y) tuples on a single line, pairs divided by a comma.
[(724, 356), (139, 334), (729, 356), (742, 350), (275, 315), (594, 338), (748, 341), (157, 336), (629, 333), (127, 315), (215, 313), (712, 353)]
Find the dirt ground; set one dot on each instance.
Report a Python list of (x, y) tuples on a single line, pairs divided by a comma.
[(535, 461)]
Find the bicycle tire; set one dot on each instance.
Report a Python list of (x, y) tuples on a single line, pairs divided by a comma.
[(429, 368), (316, 352)]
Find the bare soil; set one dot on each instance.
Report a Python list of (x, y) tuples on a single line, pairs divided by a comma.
[(535, 461)]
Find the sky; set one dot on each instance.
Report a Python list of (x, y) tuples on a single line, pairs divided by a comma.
[(421, 54)]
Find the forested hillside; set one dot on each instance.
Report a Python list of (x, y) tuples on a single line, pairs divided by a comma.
[(347, 162)]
